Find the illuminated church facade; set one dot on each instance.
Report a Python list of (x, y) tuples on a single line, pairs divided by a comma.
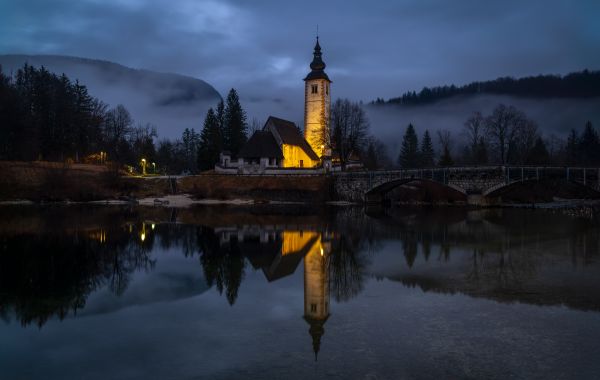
[(280, 146)]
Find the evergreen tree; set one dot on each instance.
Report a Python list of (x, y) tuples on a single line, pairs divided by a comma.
[(589, 146), (539, 153), (220, 115), (572, 148), (190, 142), (409, 154), (234, 123), (211, 143), (370, 159), (427, 153)]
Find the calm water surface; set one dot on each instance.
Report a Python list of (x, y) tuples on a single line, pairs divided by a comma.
[(295, 293)]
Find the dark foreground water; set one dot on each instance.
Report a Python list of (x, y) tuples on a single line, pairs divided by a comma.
[(295, 293)]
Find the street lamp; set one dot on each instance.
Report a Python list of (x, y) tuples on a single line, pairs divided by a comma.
[(143, 166)]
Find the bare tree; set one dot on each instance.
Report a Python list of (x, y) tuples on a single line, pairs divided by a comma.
[(254, 126), (501, 129), (474, 129), (526, 136), (349, 130), (117, 127)]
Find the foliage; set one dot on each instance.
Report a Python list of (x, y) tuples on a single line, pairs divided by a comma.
[(234, 123), (409, 154), (427, 153), (582, 84), (211, 142), (376, 155), (45, 116)]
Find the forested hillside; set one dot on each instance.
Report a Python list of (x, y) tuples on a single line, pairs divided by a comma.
[(583, 84)]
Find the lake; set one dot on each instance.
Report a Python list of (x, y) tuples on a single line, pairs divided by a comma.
[(296, 292)]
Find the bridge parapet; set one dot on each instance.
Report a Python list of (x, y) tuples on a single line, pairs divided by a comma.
[(481, 180)]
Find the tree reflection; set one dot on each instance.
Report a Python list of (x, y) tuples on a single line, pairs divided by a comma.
[(50, 270), (346, 264), (222, 262), (48, 275)]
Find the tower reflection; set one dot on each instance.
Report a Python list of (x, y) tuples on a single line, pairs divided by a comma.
[(278, 251), (316, 291)]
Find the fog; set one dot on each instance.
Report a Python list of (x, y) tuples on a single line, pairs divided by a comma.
[(171, 102), (554, 116)]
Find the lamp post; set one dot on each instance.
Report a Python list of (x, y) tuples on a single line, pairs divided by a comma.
[(143, 166), (154, 168)]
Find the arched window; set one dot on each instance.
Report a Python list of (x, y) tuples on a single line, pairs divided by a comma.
[(314, 89)]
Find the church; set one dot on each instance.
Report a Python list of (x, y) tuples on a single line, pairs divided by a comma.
[(280, 147)]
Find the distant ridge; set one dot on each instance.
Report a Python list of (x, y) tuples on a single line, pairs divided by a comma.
[(170, 101), (582, 84)]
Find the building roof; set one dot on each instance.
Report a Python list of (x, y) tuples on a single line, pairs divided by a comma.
[(261, 144), (284, 265), (317, 65), (290, 134)]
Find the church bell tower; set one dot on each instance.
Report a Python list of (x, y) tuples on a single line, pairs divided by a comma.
[(317, 102)]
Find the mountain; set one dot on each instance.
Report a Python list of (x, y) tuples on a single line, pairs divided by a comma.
[(172, 102)]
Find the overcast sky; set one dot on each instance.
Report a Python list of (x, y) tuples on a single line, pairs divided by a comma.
[(263, 47)]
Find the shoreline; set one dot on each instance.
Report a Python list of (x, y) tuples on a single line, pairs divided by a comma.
[(187, 200)]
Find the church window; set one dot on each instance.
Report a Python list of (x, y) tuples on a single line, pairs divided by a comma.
[(301, 163), (313, 307), (314, 89)]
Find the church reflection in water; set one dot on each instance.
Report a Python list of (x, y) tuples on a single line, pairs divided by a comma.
[(49, 267), (278, 252)]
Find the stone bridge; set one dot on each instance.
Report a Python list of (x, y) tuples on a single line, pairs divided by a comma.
[(478, 185)]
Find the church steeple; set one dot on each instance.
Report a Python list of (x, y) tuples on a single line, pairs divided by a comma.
[(317, 65)]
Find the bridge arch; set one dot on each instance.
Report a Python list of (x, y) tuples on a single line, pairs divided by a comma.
[(378, 192), (543, 190)]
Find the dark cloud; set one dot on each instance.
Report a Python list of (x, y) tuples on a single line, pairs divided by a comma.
[(263, 47)]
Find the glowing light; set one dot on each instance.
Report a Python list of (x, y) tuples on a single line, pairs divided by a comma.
[(152, 225), (142, 236), (322, 251), (143, 166)]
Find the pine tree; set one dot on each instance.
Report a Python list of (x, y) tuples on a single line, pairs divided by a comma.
[(572, 148), (589, 146), (234, 123), (409, 155), (211, 143), (370, 160), (190, 142), (220, 115), (427, 152), (539, 153)]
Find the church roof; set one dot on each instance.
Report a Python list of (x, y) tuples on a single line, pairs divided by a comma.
[(284, 265), (261, 144), (290, 134)]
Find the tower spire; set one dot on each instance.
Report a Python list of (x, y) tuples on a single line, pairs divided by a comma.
[(317, 64)]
